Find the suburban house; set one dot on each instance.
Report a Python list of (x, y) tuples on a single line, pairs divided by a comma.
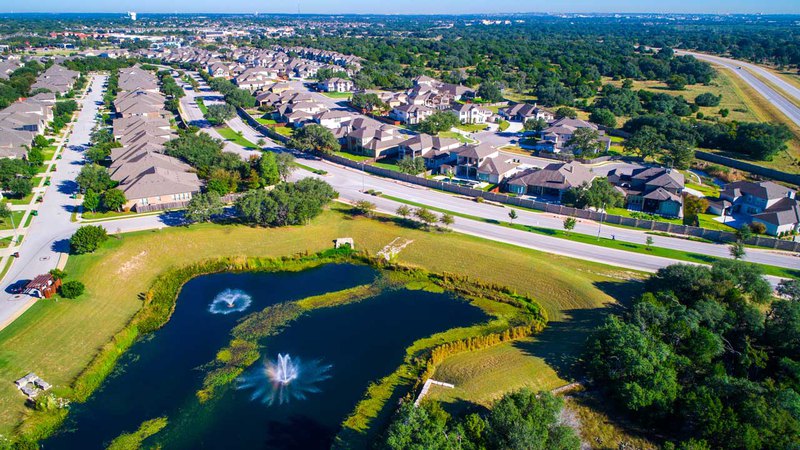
[(334, 118), (551, 181), (21, 121), (522, 112), (411, 114), (374, 140), (335, 85), (654, 190), (766, 202), (555, 137), (255, 78), (469, 158), (471, 113), (57, 79), (435, 151), (148, 178)]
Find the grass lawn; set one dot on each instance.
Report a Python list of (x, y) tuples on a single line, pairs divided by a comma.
[(351, 156), (56, 339), (709, 190), (390, 164), (339, 95), (48, 152), (5, 223), (28, 220), (472, 127), (27, 199), (456, 135), (284, 131), (230, 135), (88, 215), (264, 121)]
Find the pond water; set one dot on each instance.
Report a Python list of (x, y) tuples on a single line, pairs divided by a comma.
[(339, 351)]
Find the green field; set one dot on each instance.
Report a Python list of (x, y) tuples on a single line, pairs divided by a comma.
[(56, 339), (230, 135), (338, 95)]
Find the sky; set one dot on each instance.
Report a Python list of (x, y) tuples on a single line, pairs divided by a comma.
[(404, 7)]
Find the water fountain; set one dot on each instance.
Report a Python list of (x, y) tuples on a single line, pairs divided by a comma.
[(284, 379), (230, 301)]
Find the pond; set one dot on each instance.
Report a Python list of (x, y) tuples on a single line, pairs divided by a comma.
[(339, 351)]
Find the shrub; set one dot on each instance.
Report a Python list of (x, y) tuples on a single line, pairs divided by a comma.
[(86, 239), (72, 289), (758, 228)]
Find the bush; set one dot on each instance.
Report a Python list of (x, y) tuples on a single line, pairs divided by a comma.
[(72, 289), (707, 99), (86, 239), (758, 228)]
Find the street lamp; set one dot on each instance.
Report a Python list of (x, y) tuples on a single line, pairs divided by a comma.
[(600, 226)]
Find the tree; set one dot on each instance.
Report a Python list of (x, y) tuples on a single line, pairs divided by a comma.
[(419, 428), (569, 224), (286, 204), (646, 142), (364, 207), (368, 102), (744, 233), (438, 122), (536, 125), (315, 138), (707, 99), (218, 113), (411, 166), (677, 82), (91, 201), (58, 274), (72, 289), (286, 165), (98, 153), (527, 420), (737, 250), (35, 156), (512, 215), (679, 155), (20, 187), (649, 242), (447, 220), (600, 194), (94, 177), (87, 238), (585, 140), (403, 211), (692, 208), (565, 111), (490, 92), (203, 207), (603, 117), (790, 289), (268, 169), (425, 216), (113, 200)]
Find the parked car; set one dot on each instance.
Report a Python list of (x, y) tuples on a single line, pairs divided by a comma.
[(15, 254)]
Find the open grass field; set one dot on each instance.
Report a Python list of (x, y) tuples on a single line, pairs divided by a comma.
[(57, 338)]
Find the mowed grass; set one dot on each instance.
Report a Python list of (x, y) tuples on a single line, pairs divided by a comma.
[(57, 338), (236, 138)]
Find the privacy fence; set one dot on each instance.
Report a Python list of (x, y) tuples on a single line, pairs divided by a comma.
[(652, 225)]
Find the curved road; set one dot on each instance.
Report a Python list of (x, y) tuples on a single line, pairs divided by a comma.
[(743, 70)]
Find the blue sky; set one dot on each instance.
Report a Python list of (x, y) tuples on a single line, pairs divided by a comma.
[(407, 7)]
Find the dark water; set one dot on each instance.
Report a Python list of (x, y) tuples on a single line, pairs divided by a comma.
[(361, 342)]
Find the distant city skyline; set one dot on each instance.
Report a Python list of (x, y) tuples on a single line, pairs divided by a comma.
[(437, 7)]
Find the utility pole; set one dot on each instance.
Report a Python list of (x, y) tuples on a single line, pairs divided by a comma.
[(363, 178), (600, 226)]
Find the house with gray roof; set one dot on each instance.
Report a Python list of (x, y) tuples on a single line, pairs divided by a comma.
[(522, 112), (550, 182), (655, 190), (435, 151), (57, 79), (765, 202), (556, 137)]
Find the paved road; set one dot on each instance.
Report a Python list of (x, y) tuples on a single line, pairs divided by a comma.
[(44, 244), (777, 98)]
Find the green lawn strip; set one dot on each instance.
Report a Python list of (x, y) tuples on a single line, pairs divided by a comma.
[(229, 134), (92, 216), (605, 242), (24, 200), (472, 128), (351, 156), (284, 131), (389, 164), (456, 135), (201, 105), (264, 121), (706, 190), (310, 169), (28, 220), (338, 95), (6, 266)]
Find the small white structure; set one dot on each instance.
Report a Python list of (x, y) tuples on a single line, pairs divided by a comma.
[(132, 15), (427, 386), (31, 385), (341, 242)]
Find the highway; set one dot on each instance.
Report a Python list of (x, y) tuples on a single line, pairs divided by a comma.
[(743, 71)]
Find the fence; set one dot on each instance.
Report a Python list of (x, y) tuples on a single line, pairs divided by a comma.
[(226, 199), (653, 225), (748, 167)]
